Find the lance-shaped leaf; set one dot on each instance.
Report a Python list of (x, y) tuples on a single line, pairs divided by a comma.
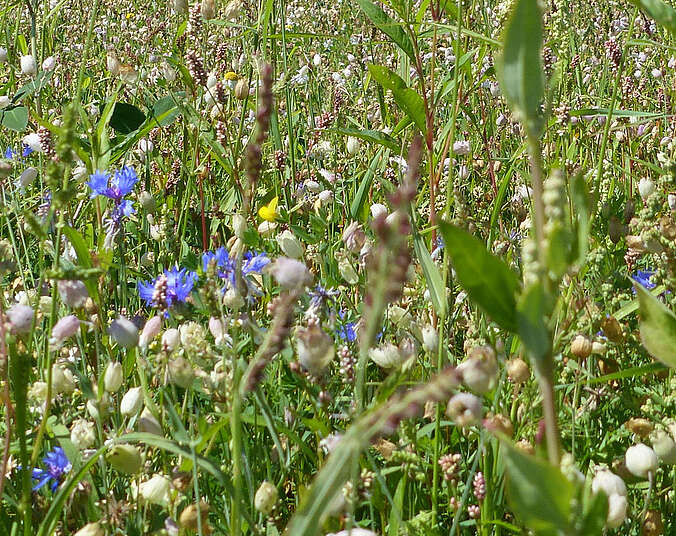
[(488, 280), (519, 67), (390, 27), (658, 327)]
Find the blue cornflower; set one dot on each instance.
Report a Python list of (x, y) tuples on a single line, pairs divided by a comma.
[(168, 288), (643, 278), (121, 183), (57, 465), (10, 153), (252, 263), (347, 331), (27, 149), (320, 295)]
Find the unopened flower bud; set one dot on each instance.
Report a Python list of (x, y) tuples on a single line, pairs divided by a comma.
[(65, 328), (27, 176), (239, 225), (82, 434), (430, 338), (91, 529), (581, 347), (112, 379), (265, 498), (347, 271), (20, 318), (148, 424), (28, 66), (125, 458), (124, 332), (150, 331), (242, 89), (73, 292), (518, 371), (208, 9), (180, 372), (480, 370), (232, 9), (354, 237), (291, 273), (131, 402), (62, 380), (147, 202), (664, 446), (289, 244), (609, 483), (314, 347), (386, 356), (640, 460), (171, 339), (465, 409), (353, 144), (645, 188), (190, 514), (617, 511), (155, 490)]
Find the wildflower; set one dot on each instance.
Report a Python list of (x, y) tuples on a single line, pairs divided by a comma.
[(57, 465), (65, 328), (82, 434), (252, 263), (112, 379), (131, 402), (155, 490), (269, 212), (4, 101), (347, 331), (168, 288), (386, 356), (10, 153), (315, 348), (643, 278), (20, 318), (289, 244), (91, 529), (124, 332), (265, 498), (115, 188), (291, 273), (320, 295), (32, 143), (73, 292), (28, 66), (645, 188), (640, 460), (150, 331), (125, 458)]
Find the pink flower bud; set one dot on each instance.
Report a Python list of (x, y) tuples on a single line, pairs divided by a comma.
[(65, 328)]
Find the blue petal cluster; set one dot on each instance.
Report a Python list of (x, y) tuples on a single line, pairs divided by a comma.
[(643, 278), (57, 464), (115, 187), (179, 285), (252, 263)]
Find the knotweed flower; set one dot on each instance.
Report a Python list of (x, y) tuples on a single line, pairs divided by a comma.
[(116, 188), (57, 465), (168, 288)]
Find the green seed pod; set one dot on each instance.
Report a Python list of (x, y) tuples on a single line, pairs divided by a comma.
[(125, 458)]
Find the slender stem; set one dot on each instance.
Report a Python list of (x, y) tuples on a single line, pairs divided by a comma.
[(549, 411)]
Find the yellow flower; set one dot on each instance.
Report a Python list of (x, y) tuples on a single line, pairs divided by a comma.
[(269, 212), (230, 75)]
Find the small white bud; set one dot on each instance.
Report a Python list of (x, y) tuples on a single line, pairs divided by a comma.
[(640, 460), (171, 339), (49, 64), (4, 101), (73, 292), (33, 141), (386, 356), (289, 244), (82, 434), (28, 66), (265, 498), (155, 490), (645, 188), (461, 148), (609, 483), (65, 328), (353, 145), (112, 379), (148, 423), (430, 338), (124, 332), (291, 273), (20, 318), (150, 331), (378, 210), (465, 409), (131, 402)]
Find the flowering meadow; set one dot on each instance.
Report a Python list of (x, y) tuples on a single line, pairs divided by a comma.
[(368, 268)]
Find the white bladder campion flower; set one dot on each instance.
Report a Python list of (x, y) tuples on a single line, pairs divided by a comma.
[(640, 460), (28, 66)]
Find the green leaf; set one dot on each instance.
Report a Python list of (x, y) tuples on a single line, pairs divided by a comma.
[(165, 111), (487, 279), (15, 118), (365, 185), (580, 199), (531, 314), (388, 26), (406, 98), (434, 281), (664, 14), (519, 67), (126, 118), (373, 136), (41, 80), (658, 327), (538, 493)]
